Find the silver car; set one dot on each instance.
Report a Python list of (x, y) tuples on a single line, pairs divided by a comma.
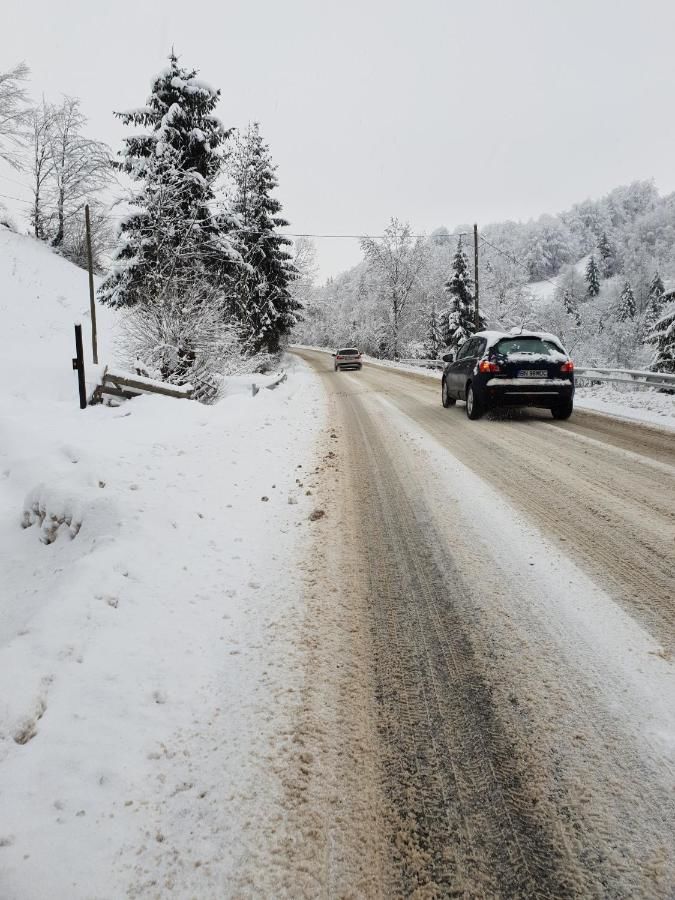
[(347, 358)]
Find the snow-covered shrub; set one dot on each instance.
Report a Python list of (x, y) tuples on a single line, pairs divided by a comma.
[(184, 337), (6, 220)]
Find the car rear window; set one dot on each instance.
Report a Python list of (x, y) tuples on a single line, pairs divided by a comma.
[(350, 351), (534, 345)]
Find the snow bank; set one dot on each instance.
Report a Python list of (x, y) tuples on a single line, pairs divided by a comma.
[(150, 639), (641, 404), (149, 613)]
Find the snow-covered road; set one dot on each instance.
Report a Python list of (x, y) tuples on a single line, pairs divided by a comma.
[(517, 580)]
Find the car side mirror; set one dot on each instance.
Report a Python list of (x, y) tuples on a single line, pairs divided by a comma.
[(333, 354), (448, 357)]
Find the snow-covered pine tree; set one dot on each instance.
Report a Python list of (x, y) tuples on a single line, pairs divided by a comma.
[(571, 306), (592, 278), (607, 256), (626, 303), (173, 233), (434, 341), (459, 321), (663, 336), (654, 309), (264, 304)]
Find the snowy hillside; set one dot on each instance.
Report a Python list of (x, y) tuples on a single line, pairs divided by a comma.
[(42, 295), (139, 612), (544, 290)]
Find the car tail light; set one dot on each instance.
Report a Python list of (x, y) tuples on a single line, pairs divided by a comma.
[(338, 356), (486, 365), (567, 367)]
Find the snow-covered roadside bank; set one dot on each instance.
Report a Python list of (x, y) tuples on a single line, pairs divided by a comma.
[(150, 664), (648, 406)]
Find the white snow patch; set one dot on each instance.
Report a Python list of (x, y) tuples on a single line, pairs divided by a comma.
[(639, 404)]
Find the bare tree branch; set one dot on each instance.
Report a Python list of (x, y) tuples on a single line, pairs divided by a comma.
[(14, 114)]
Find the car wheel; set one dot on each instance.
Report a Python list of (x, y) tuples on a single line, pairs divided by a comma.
[(473, 408), (446, 399), (562, 410)]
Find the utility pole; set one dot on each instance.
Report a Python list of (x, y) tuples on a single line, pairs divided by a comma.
[(92, 301), (475, 276)]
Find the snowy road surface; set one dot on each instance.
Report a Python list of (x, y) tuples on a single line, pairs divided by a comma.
[(511, 585)]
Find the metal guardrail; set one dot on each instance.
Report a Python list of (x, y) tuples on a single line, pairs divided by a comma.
[(634, 377), (281, 377), (423, 363)]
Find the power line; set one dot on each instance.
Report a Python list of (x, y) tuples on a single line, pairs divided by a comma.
[(515, 260), (316, 235), (14, 181), (19, 199)]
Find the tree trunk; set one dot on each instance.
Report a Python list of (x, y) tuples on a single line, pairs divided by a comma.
[(58, 240)]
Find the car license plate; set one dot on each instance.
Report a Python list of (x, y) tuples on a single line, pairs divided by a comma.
[(533, 373)]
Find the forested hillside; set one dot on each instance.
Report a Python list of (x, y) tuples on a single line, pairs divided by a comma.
[(598, 274)]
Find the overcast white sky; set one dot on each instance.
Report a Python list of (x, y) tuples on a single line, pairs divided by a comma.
[(435, 111)]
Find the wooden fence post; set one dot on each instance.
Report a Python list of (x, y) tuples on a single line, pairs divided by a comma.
[(92, 299)]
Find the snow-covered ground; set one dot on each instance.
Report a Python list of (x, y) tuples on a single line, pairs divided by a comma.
[(149, 613), (545, 289), (641, 404)]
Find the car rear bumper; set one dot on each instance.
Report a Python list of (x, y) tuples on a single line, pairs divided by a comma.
[(342, 365), (545, 392)]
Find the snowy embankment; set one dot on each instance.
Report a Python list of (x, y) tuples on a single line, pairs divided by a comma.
[(642, 404), (149, 616)]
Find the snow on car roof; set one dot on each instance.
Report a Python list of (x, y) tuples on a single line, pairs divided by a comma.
[(493, 337)]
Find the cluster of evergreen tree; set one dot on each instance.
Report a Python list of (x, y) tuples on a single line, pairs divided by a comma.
[(188, 244)]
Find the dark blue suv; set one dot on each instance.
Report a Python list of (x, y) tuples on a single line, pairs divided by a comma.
[(496, 368)]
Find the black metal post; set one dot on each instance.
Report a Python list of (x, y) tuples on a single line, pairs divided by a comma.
[(78, 365)]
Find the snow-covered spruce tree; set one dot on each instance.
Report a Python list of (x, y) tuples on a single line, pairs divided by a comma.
[(607, 256), (434, 340), (263, 303), (460, 321), (173, 232), (592, 278), (626, 309), (571, 307), (663, 336), (654, 310)]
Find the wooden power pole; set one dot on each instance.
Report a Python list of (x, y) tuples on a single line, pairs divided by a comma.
[(92, 300), (475, 276)]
